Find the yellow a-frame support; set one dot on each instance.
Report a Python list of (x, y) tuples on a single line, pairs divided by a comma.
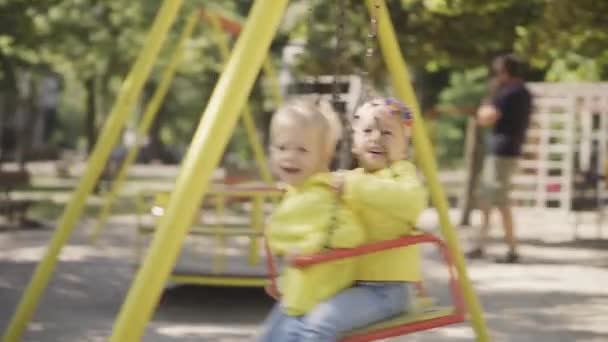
[(129, 92), (145, 123), (218, 121), (159, 95)]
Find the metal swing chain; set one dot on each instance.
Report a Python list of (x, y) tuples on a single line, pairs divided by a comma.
[(311, 21), (335, 96), (369, 49), (344, 158), (369, 54), (364, 74)]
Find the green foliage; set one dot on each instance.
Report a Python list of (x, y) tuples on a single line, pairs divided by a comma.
[(459, 33), (572, 68), (87, 39), (456, 103), (465, 90), (449, 138), (564, 27), (315, 27)]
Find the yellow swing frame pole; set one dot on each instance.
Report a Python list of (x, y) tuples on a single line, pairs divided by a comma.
[(145, 123), (218, 121), (252, 134), (130, 90), (424, 152), (152, 110)]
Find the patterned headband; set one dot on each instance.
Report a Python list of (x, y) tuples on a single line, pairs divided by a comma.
[(398, 108)]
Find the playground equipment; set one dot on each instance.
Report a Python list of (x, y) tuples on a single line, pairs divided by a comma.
[(130, 90), (231, 221), (217, 122), (232, 216), (196, 265), (219, 24), (222, 247), (423, 317), (224, 225)]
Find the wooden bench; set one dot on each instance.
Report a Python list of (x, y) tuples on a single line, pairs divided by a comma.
[(9, 207)]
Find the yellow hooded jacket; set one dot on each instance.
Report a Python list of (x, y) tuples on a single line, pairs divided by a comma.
[(389, 203), (309, 219)]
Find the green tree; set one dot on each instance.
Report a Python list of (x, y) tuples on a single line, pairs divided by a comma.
[(92, 44), (457, 102)]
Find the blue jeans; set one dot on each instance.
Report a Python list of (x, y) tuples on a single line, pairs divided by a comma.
[(355, 307)]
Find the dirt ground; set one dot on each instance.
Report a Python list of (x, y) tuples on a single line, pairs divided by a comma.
[(558, 293)]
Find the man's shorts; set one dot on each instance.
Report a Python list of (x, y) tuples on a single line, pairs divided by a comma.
[(496, 184)]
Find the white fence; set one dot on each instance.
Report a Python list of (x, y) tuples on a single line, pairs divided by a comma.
[(568, 135)]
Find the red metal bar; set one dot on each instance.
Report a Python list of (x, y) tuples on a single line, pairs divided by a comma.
[(458, 314), (457, 297), (268, 188), (228, 25), (336, 254), (272, 290), (405, 329), (235, 180)]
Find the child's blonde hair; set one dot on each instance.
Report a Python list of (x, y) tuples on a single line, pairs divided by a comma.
[(308, 112)]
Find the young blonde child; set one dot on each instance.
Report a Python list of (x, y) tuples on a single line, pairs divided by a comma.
[(310, 217), (388, 197)]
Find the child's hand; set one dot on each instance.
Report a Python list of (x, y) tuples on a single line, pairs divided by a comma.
[(397, 151), (337, 181), (291, 255)]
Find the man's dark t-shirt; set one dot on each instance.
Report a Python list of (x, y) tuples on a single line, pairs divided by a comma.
[(514, 101)]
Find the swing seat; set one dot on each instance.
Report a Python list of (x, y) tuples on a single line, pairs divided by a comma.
[(432, 317), (425, 314)]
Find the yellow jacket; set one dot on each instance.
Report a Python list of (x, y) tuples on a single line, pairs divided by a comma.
[(389, 203), (309, 219)]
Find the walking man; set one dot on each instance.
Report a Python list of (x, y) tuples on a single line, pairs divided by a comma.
[(508, 115)]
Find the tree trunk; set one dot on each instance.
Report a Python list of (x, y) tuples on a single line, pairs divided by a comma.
[(474, 157), (10, 94), (27, 114), (156, 147), (90, 118)]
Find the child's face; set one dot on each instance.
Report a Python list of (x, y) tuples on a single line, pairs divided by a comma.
[(296, 152), (379, 138)]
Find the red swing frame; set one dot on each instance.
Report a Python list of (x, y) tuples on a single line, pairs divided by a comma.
[(456, 316)]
